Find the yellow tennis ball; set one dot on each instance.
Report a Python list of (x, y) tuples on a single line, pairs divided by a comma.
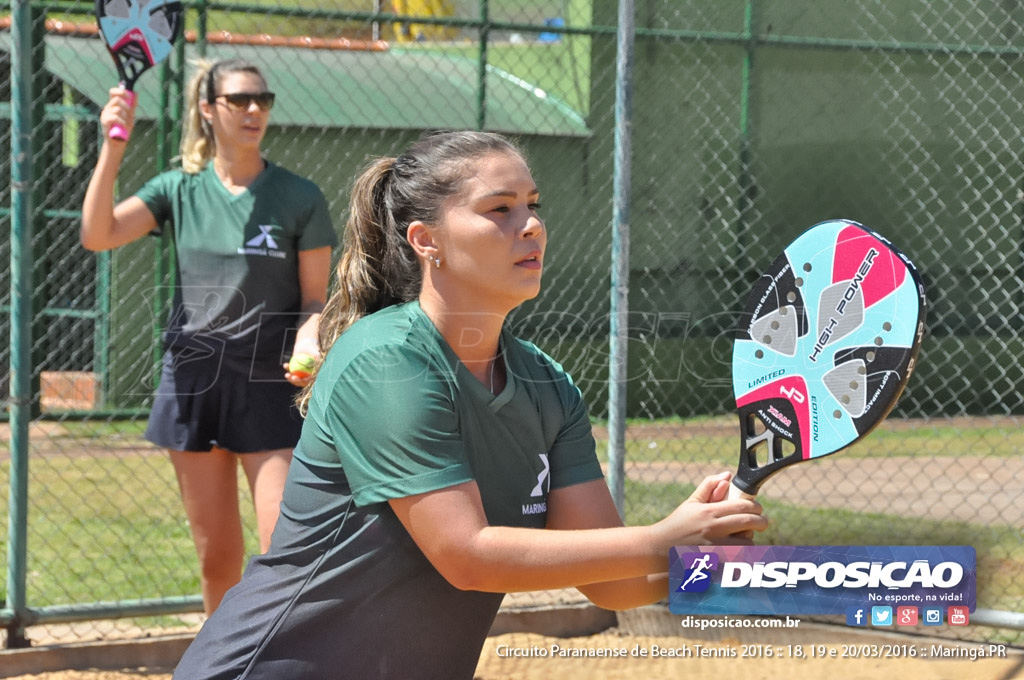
[(301, 365)]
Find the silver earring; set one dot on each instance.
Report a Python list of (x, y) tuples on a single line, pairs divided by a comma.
[(437, 262)]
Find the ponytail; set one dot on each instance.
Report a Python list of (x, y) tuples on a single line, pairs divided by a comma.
[(197, 143), (378, 267)]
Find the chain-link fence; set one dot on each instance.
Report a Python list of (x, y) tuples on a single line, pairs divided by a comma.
[(751, 121)]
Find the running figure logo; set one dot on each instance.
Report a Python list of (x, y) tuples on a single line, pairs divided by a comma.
[(699, 566)]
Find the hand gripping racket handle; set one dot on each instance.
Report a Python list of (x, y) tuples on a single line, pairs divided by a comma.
[(117, 131), (735, 492)]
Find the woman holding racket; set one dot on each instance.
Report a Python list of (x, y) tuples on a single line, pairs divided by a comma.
[(443, 462), (253, 248)]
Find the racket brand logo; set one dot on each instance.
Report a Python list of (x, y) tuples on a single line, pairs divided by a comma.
[(778, 415), (697, 577), (852, 292), (854, 288), (134, 35)]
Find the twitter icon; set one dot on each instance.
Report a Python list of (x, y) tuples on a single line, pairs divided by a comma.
[(881, 616)]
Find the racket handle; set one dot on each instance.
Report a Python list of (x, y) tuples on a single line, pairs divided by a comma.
[(735, 492), (117, 131)]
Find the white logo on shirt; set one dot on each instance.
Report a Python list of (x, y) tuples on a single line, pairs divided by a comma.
[(263, 238), (264, 244), (544, 476)]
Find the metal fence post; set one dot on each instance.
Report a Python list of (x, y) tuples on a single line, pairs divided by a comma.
[(485, 36), (619, 329), (21, 398)]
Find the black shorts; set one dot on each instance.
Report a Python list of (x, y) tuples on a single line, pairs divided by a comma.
[(210, 402)]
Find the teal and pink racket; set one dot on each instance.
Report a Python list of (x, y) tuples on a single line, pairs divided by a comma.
[(138, 34), (828, 341)]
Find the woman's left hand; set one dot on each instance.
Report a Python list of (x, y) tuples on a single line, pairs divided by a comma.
[(297, 380)]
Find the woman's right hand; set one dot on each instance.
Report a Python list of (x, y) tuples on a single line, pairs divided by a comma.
[(708, 518), (119, 111)]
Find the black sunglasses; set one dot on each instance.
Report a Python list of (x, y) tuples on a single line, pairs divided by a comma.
[(241, 101)]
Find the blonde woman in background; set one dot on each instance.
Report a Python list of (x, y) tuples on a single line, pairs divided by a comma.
[(253, 250)]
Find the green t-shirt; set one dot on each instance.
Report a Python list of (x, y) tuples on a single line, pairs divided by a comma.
[(396, 409), (237, 285), (344, 592)]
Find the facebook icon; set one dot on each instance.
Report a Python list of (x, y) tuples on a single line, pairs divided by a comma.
[(856, 616)]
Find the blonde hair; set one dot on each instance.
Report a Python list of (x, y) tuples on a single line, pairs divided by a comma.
[(378, 267), (198, 145)]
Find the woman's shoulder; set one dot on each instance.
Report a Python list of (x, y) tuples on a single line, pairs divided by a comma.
[(166, 185), (537, 368), (170, 177), (389, 347), (530, 354), (290, 181), (397, 332)]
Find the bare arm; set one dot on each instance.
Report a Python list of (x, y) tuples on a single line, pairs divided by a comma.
[(314, 271), (590, 505), (104, 225), (450, 527)]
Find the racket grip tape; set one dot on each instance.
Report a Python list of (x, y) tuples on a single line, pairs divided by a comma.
[(736, 492), (117, 131)]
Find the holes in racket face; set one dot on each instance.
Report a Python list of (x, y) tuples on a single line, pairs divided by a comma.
[(162, 24), (777, 329), (755, 426), (117, 8), (764, 446)]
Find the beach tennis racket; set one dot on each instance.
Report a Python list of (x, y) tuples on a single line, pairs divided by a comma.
[(139, 34), (826, 344)]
